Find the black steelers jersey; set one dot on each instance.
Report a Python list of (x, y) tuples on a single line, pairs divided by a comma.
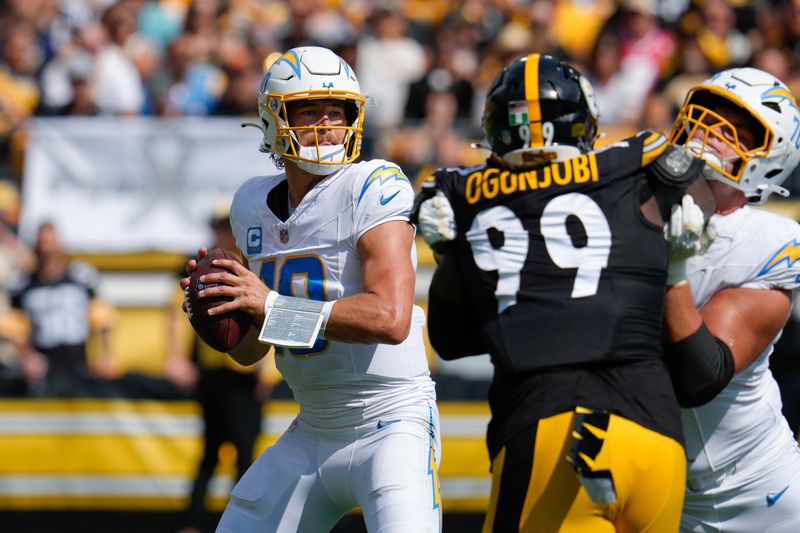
[(560, 263)]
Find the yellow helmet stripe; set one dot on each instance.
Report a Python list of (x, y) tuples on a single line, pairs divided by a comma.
[(532, 97)]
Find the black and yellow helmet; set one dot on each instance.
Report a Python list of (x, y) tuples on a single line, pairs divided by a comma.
[(538, 110)]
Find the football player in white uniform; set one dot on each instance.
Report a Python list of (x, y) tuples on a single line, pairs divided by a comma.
[(331, 230), (743, 462)]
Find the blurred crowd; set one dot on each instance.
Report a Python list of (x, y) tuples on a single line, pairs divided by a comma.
[(427, 63)]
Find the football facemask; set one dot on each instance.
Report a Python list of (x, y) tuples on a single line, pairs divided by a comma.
[(758, 167)]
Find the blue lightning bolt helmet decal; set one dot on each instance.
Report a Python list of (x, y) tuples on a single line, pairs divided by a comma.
[(789, 252), (291, 59), (778, 94), (383, 174)]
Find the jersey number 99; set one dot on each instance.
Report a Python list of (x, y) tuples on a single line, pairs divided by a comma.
[(509, 259)]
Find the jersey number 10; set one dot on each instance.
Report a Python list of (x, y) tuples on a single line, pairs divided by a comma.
[(303, 274)]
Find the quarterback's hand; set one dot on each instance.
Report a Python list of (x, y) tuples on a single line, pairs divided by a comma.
[(687, 234), (437, 221), (246, 290), (191, 264)]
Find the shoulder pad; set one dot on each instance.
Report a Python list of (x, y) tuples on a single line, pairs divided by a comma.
[(653, 146), (675, 173), (648, 136), (676, 167), (369, 178), (377, 171)]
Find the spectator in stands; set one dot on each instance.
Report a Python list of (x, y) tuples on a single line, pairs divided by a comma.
[(719, 38), (196, 85), (693, 68), (203, 22), (541, 15), (241, 63), (388, 79), (645, 53), (450, 68), (607, 78), (19, 93), (15, 259), (433, 142), (60, 300), (512, 41), (657, 114), (231, 396), (117, 86), (575, 25), (774, 61), (65, 84), (20, 57), (770, 24), (792, 20)]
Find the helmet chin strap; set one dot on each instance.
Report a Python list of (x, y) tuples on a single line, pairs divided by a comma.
[(696, 147), (329, 153)]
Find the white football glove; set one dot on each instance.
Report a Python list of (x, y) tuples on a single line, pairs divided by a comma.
[(436, 219), (687, 235)]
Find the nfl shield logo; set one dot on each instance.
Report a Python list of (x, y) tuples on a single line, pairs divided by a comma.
[(284, 236)]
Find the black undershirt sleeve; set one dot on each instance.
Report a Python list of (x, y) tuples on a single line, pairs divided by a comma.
[(454, 327), (700, 365)]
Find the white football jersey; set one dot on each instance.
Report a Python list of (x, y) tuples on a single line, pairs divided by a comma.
[(757, 250), (313, 254)]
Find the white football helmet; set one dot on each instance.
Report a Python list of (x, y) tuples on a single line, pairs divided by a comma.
[(759, 170), (305, 73)]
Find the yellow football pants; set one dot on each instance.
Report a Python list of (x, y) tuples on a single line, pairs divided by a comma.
[(535, 487)]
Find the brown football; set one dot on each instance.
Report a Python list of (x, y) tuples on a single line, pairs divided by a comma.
[(221, 332)]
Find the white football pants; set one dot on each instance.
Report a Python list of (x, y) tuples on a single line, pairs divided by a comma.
[(755, 495), (308, 480)]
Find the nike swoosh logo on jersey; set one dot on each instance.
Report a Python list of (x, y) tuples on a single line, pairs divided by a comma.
[(772, 497), (386, 199), (382, 424)]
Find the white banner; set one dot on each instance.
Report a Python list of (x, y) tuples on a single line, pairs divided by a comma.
[(117, 184)]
